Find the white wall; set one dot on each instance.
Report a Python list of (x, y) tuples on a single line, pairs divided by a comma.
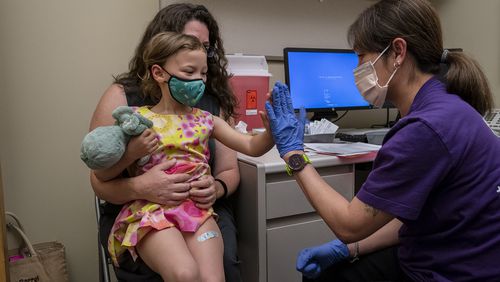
[(58, 56), (474, 26), (266, 27)]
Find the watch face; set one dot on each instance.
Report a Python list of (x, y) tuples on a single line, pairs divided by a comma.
[(296, 162)]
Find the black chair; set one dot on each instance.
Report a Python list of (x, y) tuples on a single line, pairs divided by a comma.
[(104, 260)]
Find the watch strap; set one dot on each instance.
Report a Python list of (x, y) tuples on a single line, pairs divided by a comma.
[(290, 170)]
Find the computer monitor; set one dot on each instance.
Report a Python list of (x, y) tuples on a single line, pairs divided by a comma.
[(322, 81)]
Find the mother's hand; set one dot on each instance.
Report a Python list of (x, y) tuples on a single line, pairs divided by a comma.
[(203, 192), (162, 188), (287, 129)]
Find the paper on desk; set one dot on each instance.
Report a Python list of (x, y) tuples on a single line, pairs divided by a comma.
[(342, 149), (322, 126)]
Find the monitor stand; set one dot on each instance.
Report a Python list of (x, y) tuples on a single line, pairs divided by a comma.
[(328, 115)]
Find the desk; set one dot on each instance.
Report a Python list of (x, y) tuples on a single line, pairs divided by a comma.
[(275, 220)]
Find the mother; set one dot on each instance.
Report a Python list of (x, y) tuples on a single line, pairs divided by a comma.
[(155, 185)]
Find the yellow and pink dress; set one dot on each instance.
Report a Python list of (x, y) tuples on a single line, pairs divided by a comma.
[(184, 138)]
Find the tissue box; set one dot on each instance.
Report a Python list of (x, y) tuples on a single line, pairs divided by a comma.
[(319, 138)]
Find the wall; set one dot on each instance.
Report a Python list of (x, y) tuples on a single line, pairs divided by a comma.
[(473, 26), (285, 23), (58, 57)]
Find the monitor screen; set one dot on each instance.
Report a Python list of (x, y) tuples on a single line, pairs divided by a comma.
[(322, 79)]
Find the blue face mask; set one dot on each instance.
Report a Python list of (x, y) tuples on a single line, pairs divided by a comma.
[(186, 91)]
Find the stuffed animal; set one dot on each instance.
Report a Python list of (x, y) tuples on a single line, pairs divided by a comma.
[(105, 145)]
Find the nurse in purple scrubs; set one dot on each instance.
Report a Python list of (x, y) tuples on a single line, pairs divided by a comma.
[(430, 208)]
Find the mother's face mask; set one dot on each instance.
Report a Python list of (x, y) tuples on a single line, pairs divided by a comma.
[(366, 80)]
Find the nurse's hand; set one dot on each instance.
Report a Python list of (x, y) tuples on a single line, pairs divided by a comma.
[(286, 128), (311, 261)]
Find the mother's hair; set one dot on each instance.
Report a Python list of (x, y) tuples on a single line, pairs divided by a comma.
[(173, 18)]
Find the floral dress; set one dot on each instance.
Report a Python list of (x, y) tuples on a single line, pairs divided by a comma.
[(184, 138)]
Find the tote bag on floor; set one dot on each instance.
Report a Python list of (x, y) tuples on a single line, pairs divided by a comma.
[(43, 262)]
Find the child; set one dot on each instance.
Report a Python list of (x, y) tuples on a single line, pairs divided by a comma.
[(192, 251)]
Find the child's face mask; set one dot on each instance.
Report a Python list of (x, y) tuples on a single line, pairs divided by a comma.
[(366, 80), (185, 91)]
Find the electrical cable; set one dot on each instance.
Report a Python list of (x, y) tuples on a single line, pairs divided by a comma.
[(340, 117), (386, 121)]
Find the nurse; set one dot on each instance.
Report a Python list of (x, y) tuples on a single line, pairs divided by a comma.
[(434, 191)]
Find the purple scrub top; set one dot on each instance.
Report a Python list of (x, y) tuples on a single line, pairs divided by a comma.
[(438, 171)]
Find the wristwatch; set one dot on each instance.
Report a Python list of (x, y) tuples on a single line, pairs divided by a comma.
[(296, 162)]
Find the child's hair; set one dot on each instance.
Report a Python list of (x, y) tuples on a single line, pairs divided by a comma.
[(158, 50)]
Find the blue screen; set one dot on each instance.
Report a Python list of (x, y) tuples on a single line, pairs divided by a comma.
[(322, 79)]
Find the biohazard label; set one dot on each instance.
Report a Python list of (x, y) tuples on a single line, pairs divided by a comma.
[(251, 105)]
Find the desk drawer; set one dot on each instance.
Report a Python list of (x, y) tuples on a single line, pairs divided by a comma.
[(285, 198), (284, 243)]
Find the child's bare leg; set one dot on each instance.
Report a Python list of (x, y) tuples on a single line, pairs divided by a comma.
[(207, 250), (166, 253)]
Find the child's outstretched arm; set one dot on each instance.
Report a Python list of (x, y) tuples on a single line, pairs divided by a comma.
[(252, 145), (138, 146)]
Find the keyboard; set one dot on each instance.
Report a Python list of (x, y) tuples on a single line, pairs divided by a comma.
[(492, 119), (351, 138), (366, 135)]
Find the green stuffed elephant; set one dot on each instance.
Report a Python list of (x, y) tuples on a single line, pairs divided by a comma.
[(104, 146)]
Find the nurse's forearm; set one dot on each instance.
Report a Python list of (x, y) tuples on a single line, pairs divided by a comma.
[(350, 221), (329, 204), (386, 236)]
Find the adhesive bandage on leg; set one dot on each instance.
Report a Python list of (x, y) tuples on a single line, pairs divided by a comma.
[(207, 235)]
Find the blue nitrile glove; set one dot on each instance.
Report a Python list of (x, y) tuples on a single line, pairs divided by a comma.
[(311, 261), (286, 128)]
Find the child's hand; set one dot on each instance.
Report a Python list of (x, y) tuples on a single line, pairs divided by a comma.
[(263, 114), (265, 121), (142, 145)]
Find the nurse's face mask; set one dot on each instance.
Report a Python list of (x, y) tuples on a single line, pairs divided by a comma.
[(366, 80), (185, 91)]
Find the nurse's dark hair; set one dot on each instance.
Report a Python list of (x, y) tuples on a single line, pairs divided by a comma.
[(417, 22), (173, 18)]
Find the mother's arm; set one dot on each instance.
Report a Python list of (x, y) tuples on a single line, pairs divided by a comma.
[(154, 185), (226, 169)]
